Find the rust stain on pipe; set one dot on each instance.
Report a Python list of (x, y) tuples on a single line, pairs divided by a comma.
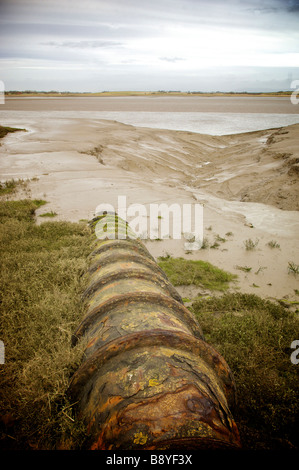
[(148, 379)]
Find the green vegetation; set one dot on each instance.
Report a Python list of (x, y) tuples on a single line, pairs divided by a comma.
[(246, 269), (215, 245), (220, 239), (6, 130), (9, 186), (205, 243), (255, 336), (111, 225), (293, 268), (41, 289), (260, 269), (250, 244), (40, 303), (48, 214), (199, 273), (273, 244)]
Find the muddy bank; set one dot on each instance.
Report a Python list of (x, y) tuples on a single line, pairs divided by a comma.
[(247, 183)]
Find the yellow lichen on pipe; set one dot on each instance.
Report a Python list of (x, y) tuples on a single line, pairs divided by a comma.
[(148, 379)]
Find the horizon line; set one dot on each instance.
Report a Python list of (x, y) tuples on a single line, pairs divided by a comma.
[(147, 92)]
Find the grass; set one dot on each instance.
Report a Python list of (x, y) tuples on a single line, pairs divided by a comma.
[(246, 269), (4, 130), (220, 239), (48, 214), (40, 303), (260, 269), (10, 186), (250, 244), (215, 245), (293, 268), (199, 273), (255, 336), (273, 244), (205, 243)]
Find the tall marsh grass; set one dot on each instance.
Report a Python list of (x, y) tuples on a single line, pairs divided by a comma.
[(40, 305), (255, 337)]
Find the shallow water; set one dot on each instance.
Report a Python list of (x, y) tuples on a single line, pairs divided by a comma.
[(203, 123), (214, 116), (267, 218)]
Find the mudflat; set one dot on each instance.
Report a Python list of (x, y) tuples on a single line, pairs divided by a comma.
[(214, 104), (247, 183)]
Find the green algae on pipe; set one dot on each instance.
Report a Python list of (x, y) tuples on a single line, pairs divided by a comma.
[(148, 379)]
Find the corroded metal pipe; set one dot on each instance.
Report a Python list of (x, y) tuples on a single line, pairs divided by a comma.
[(148, 379)]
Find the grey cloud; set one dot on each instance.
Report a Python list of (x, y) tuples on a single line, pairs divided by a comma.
[(75, 32), (171, 59), (276, 7), (83, 44), (43, 29), (292, 6), (133, 18)]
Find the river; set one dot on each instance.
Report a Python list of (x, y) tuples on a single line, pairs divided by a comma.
[(206, 115)]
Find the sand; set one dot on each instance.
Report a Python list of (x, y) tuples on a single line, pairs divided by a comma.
[(247, 184)]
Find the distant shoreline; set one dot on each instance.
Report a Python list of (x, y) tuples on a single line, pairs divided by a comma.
[(143, 93)]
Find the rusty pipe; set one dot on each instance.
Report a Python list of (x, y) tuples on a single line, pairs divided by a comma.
[(148, 379)]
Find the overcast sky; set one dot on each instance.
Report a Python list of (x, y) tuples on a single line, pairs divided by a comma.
[(187, 45)]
